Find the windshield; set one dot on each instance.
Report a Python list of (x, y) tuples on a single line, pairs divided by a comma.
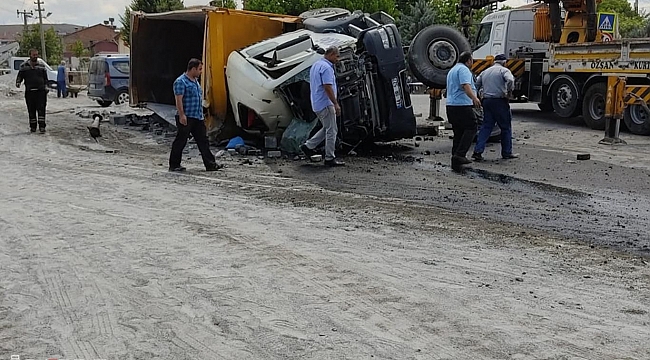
[(483, 35)]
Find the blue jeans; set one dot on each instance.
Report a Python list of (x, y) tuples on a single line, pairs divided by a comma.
[(61, 89), (495, 111)]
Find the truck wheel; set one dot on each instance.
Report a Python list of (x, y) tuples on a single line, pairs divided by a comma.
[(637, 120), (104, 103), (434, 51), (324, 13), (565, 98), (593, 106), (51, 84)]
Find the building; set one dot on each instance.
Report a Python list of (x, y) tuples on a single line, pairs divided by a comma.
[(95, 39)]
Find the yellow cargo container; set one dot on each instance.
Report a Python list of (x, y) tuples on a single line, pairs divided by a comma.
[(162, 44)]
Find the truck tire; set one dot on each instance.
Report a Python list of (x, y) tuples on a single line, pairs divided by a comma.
[(324, 13), (433, 52), (637, 120), (565, 98), (51, 84), (104, 103), (593, 106)]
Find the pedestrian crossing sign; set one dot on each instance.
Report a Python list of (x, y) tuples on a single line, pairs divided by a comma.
[(606, 22)]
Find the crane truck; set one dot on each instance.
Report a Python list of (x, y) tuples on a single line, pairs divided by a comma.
[(562, 54)]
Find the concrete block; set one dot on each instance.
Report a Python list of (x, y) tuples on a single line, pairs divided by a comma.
[(118, 120)]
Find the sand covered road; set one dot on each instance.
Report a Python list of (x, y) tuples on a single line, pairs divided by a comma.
[(108, 256)]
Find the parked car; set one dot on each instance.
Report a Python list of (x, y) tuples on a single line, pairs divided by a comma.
[(15, 62), (108, 79)]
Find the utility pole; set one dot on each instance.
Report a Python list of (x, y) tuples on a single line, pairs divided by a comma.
[(26, 14), (636, 6), (40, 10)]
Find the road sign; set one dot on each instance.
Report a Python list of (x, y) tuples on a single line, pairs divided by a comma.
[(607, 37), (606, 22)]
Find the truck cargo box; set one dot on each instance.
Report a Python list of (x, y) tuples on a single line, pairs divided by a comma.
[(163, 43)]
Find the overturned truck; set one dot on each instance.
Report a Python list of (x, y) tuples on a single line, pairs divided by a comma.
[(260, 76)]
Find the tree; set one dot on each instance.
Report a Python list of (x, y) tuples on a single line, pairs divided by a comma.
[(417, 17), (147, 6), (230, 4), (296, 7), (78, 49), (32, 40), (630, 24)]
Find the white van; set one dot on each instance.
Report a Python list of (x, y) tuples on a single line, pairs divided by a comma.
[(15, 62)]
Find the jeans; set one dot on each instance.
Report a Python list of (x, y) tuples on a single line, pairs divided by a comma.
[(61, 89), (195, 127), (327, 117), (463, 122), (496, 111)]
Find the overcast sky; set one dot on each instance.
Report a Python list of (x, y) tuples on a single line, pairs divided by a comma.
[(91, 12)]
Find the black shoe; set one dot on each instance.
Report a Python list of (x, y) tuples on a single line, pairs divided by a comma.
[(477, 157), (307, 151), (32, 129), (177, 169), (42, 130), (460, 160), (510, 156), (214, 167), (334, 162)]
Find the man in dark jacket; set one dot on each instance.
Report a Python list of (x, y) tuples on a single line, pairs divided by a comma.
[(34, 75)]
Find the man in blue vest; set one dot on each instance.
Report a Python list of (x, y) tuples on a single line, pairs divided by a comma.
[(61, 76), (497, 83)]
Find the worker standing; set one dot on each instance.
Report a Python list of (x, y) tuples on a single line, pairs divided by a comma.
[(461, 104), (322, 84), (35, 76), (497, 83), (61, 79), (190, 120)]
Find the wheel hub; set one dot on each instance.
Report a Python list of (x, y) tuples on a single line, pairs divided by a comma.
[(123, 98), (564, 96), (442, 54)]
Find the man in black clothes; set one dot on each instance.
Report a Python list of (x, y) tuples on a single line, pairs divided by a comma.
[(35, 76)]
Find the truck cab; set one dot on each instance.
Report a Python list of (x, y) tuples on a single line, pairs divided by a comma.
[(503, 32)]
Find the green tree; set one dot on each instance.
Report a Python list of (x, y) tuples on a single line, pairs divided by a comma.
[(230, 4), (147, 6), (295, 7), (78, 49), (417, 17), (32, 40), (630, 24)]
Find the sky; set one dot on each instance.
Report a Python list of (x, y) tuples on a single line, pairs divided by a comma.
[(91, 12)]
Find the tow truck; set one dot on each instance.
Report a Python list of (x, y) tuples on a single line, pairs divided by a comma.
[(562, 54)]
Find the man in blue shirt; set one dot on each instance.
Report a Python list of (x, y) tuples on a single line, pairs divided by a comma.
[(61, 76), (322, 84), (189, 103), (461, 102)]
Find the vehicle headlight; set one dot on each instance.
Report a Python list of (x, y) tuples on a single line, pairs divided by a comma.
[(384, 38)]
